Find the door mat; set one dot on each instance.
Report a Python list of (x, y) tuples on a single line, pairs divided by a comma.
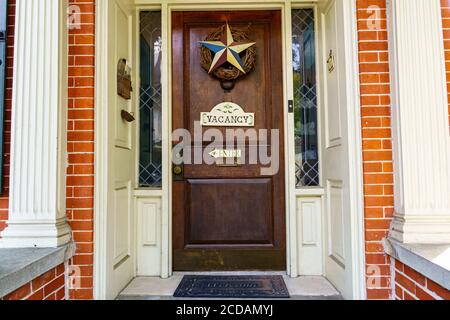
[(247, 287)]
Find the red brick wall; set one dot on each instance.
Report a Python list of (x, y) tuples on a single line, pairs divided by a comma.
[(377, 145), (445, 4), (80, 174), (8, 102), (49, 286), (411, 285)]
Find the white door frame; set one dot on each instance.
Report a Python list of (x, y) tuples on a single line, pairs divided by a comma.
[(355, 151), (101, 150)]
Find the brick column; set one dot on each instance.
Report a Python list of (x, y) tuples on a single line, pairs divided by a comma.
[(420, 122), (37, 215)]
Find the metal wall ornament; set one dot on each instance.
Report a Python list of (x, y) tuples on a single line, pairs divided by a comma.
[(124, 87), (330, 62), (127, 116), (228, 54)]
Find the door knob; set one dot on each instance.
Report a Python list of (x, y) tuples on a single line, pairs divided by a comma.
[(177, 170)]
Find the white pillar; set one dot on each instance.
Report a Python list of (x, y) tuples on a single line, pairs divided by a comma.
[(420, 122), (37, 215)]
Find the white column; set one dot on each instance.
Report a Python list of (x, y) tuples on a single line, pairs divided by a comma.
[(420, 122), (37, 215)]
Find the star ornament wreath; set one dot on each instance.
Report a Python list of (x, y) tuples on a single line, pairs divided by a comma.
[(228, 54)]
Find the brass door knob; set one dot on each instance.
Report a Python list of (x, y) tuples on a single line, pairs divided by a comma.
[(177, 170)]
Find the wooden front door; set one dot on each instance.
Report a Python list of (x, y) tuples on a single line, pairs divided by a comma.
[(228, 217)]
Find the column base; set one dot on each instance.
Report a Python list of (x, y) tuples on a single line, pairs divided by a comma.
[(36, 234), (424, 229)]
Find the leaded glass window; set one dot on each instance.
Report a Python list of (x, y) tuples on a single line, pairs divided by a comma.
[(305, 98), (150, 126), (3, 47)]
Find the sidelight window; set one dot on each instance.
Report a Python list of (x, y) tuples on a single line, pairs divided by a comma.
[(3, 46), (150, 126), (305, 99)]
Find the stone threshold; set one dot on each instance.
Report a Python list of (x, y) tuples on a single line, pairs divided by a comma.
[(21, 266), (430, 260), (302, 288)]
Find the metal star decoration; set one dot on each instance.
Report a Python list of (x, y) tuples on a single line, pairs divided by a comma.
[(227, 52)]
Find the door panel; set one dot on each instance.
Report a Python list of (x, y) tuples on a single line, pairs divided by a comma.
[(121, 149), (228, 218), (234, 205), (336, 221), (122, 221), (336, 154)]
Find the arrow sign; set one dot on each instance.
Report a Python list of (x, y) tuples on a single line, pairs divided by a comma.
[(225, 153)]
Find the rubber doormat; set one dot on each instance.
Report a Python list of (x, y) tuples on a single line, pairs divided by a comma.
[(246, 287)]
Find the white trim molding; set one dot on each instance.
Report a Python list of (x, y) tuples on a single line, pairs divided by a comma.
[(37, 216), (420, 122), (356, 184), (101, 150)]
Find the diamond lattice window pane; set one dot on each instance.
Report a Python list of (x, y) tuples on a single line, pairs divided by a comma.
[(150, 138), (305, 99)]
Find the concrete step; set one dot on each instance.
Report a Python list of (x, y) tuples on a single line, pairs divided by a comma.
[(302, 288)]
